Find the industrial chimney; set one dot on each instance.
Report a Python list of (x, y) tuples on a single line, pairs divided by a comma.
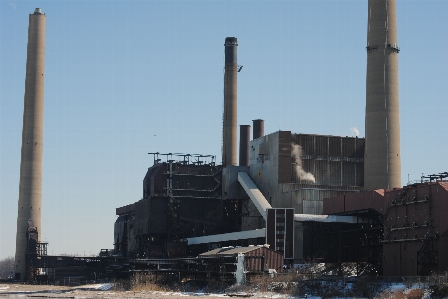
[(244, 145), (258, 128), (229, 138), (30, 189), (382, 163)]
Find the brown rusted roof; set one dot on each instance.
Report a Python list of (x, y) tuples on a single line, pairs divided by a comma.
[(444, 184)]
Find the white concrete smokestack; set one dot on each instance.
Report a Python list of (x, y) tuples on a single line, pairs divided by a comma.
[(382, 160), (30, 189)]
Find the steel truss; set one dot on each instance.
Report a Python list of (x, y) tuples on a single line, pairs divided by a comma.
[(358, 243)]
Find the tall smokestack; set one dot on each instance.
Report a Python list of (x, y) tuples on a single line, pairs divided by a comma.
[(382, 163), (30, 189), (229, 137), (244, 145), (258, 128)]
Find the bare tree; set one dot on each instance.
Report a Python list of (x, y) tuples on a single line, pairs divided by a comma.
[(7, 268)]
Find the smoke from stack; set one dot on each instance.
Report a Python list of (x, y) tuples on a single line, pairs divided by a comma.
[(354, 131), (296, 153)]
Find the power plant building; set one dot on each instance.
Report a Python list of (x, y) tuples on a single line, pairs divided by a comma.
[(292, 196), (299, 170)]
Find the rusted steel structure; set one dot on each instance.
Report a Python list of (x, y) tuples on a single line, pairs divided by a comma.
[(415, 227), (257, 258), (65, 270), (339, 243), (181, 199), (416, 230)]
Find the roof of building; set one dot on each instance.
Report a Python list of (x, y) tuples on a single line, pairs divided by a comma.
[(444, 184), (233, 250)]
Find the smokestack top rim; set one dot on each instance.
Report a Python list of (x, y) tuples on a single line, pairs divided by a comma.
[(231, 41)]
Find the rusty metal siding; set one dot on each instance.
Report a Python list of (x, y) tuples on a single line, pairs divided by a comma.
[(410, 214), (333, 205), (443, 226), (272, 260)]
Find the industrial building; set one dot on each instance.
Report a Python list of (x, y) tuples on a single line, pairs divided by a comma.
[(293, 197), (284, 180), (414, 229), (182, 200)]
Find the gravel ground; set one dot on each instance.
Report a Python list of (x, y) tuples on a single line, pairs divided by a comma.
[(88, 291)]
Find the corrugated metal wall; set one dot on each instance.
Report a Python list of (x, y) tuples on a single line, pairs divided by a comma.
[(272, 260), (336, 161)]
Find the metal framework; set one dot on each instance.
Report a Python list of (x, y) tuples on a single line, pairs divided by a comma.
[(221, 267), (182, 199), (434, 177), (358, 243), (427, 255)]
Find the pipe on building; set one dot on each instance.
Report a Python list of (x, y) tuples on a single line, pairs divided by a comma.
[(30, 189), (382, 161), (258, 130), (229, 139), (244, 145)]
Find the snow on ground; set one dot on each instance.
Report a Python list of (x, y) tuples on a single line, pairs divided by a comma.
[(105, 291)]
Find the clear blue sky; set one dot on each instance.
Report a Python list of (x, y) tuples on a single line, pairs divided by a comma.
[(124, 78)]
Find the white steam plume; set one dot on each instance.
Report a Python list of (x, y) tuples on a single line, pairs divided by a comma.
[(301, 174), (354, 131)]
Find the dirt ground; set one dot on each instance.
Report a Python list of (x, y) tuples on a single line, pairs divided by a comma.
[(11, 290)]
